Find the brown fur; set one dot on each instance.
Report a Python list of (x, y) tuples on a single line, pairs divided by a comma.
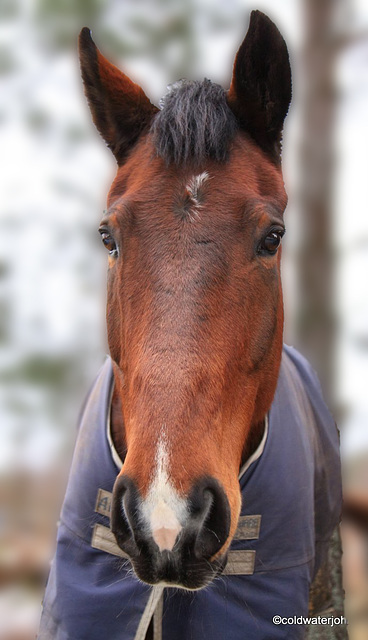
[(195, 312), (195, 329)]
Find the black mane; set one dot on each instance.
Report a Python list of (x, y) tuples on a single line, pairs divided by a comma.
[(195, 123)]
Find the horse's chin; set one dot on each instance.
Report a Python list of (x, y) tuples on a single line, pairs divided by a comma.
[(166, 570)]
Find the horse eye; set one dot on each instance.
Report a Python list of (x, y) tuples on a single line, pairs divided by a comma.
[(109, 243), (271, 242)]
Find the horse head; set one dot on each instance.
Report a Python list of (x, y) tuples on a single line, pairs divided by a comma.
[(194, 313)]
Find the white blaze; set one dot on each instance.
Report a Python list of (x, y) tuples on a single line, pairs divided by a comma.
[(164, 511), (193, 188), (195, 184)]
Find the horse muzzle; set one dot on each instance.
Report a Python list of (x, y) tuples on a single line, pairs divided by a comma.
[(172, 541)]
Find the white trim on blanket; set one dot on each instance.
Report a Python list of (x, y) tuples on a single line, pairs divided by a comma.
[(257, 453)]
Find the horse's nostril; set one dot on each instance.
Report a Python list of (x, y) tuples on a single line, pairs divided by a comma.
[(124, 511), (210, 511), (166, 542)]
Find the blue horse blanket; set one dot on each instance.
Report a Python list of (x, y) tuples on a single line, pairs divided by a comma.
[(291, 502)]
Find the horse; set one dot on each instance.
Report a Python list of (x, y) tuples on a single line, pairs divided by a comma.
[(205, 483)]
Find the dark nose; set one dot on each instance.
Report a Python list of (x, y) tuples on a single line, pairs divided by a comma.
[(209, 517), (125, 523), (204, 532)]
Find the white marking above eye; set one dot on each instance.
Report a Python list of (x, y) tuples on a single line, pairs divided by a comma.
[(193, 188), (195, 184)]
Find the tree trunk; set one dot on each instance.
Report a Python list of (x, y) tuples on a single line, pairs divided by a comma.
[(316, 325)]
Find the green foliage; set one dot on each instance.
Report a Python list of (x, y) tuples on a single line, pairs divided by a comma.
[(9, 8), (59, 21), (7, 61), (41, 371)]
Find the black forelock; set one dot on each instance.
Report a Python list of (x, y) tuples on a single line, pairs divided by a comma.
[(195, 123)]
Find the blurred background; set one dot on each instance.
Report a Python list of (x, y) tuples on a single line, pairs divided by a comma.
[(54, 176)]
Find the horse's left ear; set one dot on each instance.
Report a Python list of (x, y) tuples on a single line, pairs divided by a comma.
[(260, 90), (120, 109)]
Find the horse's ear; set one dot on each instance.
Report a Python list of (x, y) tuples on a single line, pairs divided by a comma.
[(260, 90), (120, 109)]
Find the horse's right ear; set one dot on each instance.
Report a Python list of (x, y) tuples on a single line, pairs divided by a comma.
[(260, 90), (120, 109)]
